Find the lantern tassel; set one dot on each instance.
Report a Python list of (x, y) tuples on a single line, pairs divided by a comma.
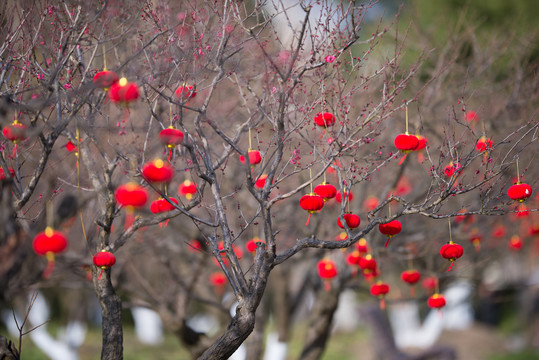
[(327, 285), (403, 158), (309, 218), (129, 218), (169, 154), (101, 273), (412, 291), (50, 265), (420, 158), (452, 263), (13, 152), (387, 242), (382, 303)]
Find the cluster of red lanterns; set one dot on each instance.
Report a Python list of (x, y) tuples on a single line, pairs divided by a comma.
[(484, 143), (407, 143)]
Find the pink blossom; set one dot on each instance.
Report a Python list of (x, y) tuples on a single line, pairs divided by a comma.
[(330, 58)]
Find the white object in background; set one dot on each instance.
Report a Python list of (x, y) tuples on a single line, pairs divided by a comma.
[(275, 350), (148, 325), (345, 318)]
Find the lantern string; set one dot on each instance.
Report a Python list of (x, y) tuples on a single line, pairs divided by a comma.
[(170, 113), (311, 178), (518, 174), (406, 119), (104, 58), (437, 286), (250, 144), (324, 177), (450, 239)]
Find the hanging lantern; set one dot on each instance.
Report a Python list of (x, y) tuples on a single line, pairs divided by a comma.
[(324, 119), (499, 231), (406, 143), (519, 192), (158, 171), (352, 220), (390, 229), (123, 92), (522, 211), (185, 92), (367, 264), (451, 251), (251, 245), (105, 79), (48, 243), (464, 218), (162, 205), (380, 289), (131, 195), (476, 239), (14, 132), (430, 283), (3, 174), (187, 189), (171, 137), (436, 301), (483, 144), (327, 271), (515, 243), (411, 277), (353, 258), (451, 169), (341, 237), (218, 280), (254, 157), (472, 116), (104, 260), (371, 203), (361, 246), (261, 181), (311, 203), (325, 190), (533, 229), (347, 196)]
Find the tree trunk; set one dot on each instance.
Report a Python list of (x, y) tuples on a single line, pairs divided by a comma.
[(237, 331), (111, 312), (320, 322), (255, 342)]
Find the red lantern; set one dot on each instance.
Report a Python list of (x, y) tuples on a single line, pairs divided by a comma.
[(483, 144), (362, 246), (158, 171), (472, 116), (185, 92), (430, 283), (3, 174), (422, 143), (105, 79), (104, 260), (311, 203), (390, 229), (325, 190), (327, 271), (371, 203), (367, 264), (131, 195), (476, 239), (261, 181), (15, 132), (349, 197), (171, 137), (341, 237), (162, 205), (464, 218), (380, 289), (218, 280), (411, 277), (251, 245), (324, 119), (48, 243), (533, 229), (436, 301), (515, 243), (352, 220), (451, 169), (187, 189), (499, 231), (123, 92), (451, 251), (519, 192), (406, 142), (353, 258), (254, 157)]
